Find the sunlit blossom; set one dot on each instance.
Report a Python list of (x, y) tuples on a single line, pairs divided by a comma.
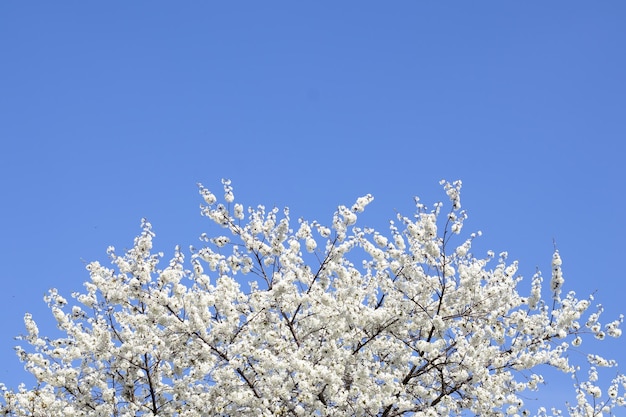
[(402, 322)]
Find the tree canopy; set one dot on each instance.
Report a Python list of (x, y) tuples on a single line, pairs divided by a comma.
[(281, 318)]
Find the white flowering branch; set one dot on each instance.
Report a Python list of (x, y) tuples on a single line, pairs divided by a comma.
[(416, 328)]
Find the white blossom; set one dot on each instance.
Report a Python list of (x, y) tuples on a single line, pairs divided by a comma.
[(404, 322)]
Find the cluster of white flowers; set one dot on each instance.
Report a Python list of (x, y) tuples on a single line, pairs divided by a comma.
[(418, 328), (453, 190)]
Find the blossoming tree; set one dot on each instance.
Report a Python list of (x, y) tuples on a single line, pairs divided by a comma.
[(281, 319)]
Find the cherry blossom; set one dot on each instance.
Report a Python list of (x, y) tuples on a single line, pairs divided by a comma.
[(279, 318)]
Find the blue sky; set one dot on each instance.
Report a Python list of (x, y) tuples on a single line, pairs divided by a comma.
[(113, 111)]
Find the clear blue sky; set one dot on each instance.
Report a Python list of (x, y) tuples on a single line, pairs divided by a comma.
[(112, 111)]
